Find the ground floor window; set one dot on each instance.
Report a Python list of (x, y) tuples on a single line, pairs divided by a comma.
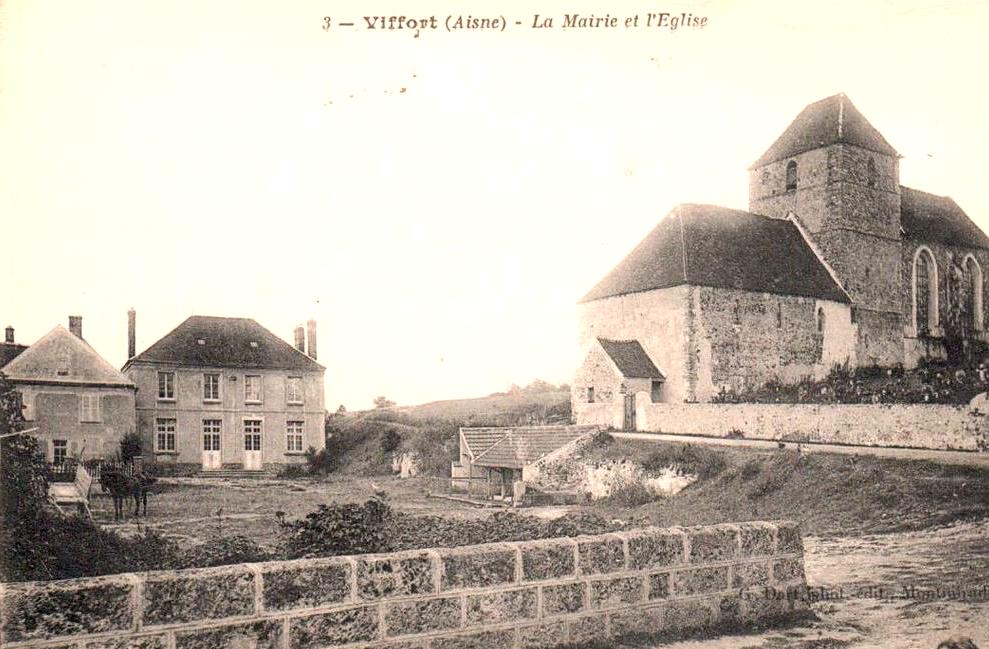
[(294, 436), (165, 435), (252, 434), (60, 450), (211, 434)]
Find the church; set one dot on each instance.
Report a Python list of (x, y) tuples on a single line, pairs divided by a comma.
[(833, 263)]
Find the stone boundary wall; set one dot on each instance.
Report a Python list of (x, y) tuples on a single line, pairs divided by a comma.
[(928, 426), (497, 596)]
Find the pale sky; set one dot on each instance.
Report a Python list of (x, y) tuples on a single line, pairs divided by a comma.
[(233, 159)]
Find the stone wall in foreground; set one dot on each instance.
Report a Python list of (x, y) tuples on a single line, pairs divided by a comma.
[(497, 596)]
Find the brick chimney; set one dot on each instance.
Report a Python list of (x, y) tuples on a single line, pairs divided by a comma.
[(311, 335), (300, 339), (10, 335), (131, 333), (75, 325)]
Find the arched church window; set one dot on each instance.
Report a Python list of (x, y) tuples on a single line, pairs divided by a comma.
[(973, 290), (820, 319), (924, 291), (872, 174), (791, 175)]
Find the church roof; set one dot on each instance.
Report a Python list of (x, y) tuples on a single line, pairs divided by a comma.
[(630, 359), (828, 121), (927, 217), (708, 245), (61, 357), (208, 341)]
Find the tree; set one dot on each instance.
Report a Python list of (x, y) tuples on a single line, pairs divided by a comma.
[(131, 446), (23, 471), (383, 402)]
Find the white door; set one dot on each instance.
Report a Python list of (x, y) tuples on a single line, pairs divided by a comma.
[(211, 444), (252, 444)]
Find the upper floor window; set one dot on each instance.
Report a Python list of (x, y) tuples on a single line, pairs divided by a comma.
[(872, 174), (590, 395), (294, 389), (791, 175), (925, 302), (765, 176), (211, 387), (89, 407), (820, 319), (166, 385), (252, 389)]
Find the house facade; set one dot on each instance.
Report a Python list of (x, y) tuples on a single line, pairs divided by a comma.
[(227, 393), (834, 262), (81, 405)]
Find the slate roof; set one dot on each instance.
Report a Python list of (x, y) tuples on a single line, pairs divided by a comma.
[(927, 217), (517, 447), (61, 357), (226, 342), (828, 121), (10, 351), (708, 245), (631, 359)]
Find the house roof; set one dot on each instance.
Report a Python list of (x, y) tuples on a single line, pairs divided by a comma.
[(10, 351), (631, 359), (829, 121), (61, 357), (517, 447), (708, 245), (927, 217), (208, 341)]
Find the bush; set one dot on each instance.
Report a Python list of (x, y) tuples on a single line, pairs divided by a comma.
[(390, 441), (337, 529), (224, 550), (626, 491), (701, 461), (130, 447)]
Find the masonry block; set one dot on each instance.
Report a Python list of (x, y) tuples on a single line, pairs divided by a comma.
[(620, 591), (757, 539), (655, 548), (315, 584), (505, 606), (687, 615), (601, 555), (410, 644), (257, 635), (745, 575), (190, 595), (659, 585), (548, 559), (589, 628), (155, 641), (37, 611), (640, 621), (698, 581), (788, 569), (504, 639), (788, 538), (477, 568), (434, 614), (763, 605), (559, 599), (355, 624), (395, 576), (712, 543), (546, 634)]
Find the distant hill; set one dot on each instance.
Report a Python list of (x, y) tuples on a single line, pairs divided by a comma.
[(554, 405)]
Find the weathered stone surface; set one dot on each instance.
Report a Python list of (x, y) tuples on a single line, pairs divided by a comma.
[(504, 639), (687, 615), (745, 575), (601, 556), (197, 595), (712, 544), (477, 568), (356, 624), (756, 540), (700, 580), (434, 614), (155, 641), (286, 588), (548, 560), (788, 538), (655, 548), (59, 609), (762, 605), (788, 569), (494, 608), (728, 612), (392, 576), (257, 635), (589, 628), (550, 634), (659, 585), (616, 592), (640, 621), (563, 598)]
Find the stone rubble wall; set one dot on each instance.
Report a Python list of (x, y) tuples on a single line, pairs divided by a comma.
[(497, 596)]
